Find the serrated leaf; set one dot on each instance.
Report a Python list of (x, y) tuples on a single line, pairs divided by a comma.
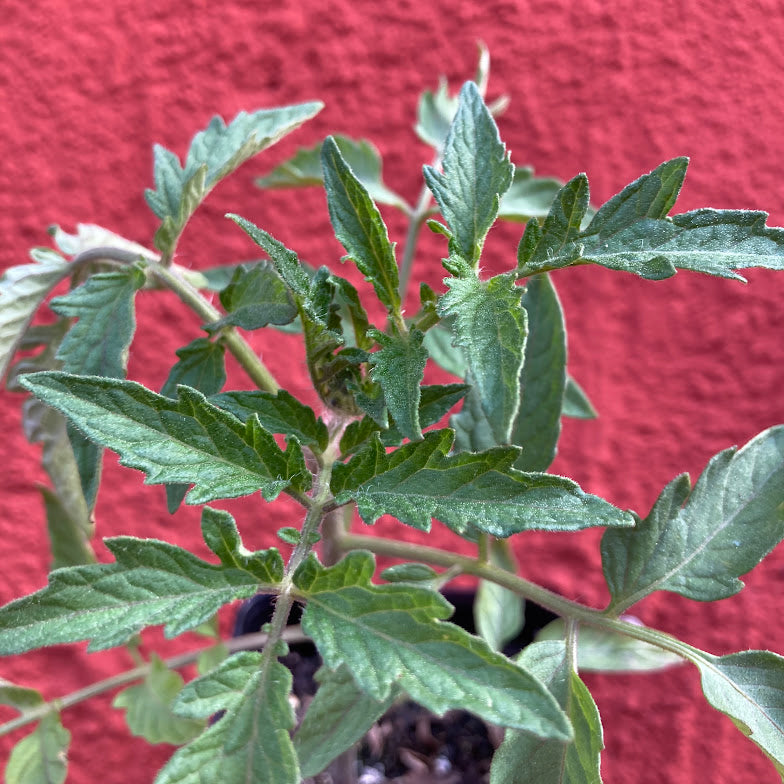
[(359, 227), (22, 290), (339, 715), (528, 196), (279, 413), (399, 367), (304, 168), (150, 583), (394, 635), (498, 613), (523, 759), (490, 326), (148, 707), (699, 542), (250, 742), (213, 154), (222, 537), (747, 687), (420, 481), (42, 756), (543, 378), (602, 650), (187, 440), (255, 297), (576, 403), (476, 174), (632, 233)]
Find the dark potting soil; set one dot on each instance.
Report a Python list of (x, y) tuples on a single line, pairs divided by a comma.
[(408, 744)]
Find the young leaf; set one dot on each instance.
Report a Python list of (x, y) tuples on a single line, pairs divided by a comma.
[(421, 481), (359, 227), (747, 687), (399, 367), (699, 542), (250, 742), (498, 613), (473, 432), (490, 326), (438, 342), (435, 114), (523, 759), (148, 707), (150, 583), (602, 650), (187, 440), (41, 757), (394, 635), (339, 715), (89, 236), (214, 153), (476, 173), (255, 297), (304, 168), (19, 698), (543, 379), (528, 196), (22, 290), (576, 403), (280, 413)]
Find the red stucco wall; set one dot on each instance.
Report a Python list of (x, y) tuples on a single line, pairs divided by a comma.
[(678, 369)]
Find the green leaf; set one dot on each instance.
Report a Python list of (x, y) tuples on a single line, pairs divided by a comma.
[(41, 757), (19, 698), (250, 742), (576, 403), (420, 481), (22, 290), (304, 168), (498, 613), (148, 707), (699, 542), (747, 687), (543, 378), (339, 716), (602, 650), (490, 326), (399, 367), (214, 153), (472, 429), (528, 196), (89, 236), (255, 297), (359, 227), (476, 173), (393, 636), (409, 573), (279, 413), (187, 440), (150, 583), (435, 114), (523, 759)]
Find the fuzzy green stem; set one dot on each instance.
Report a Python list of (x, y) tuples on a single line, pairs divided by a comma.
[(416, 221)]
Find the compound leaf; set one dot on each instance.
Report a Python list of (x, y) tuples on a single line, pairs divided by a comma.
[(339, 715), (699, 542), (359, 227), (476, 173), (214, 153), (420, 481), (42, 756), (523, 759), (187, 440), (394, 635), (489, 324)]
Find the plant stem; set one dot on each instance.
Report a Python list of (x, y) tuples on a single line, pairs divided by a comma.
[(243, 643), (416, 219)]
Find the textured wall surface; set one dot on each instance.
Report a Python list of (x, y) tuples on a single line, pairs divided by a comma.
[(678, 369)]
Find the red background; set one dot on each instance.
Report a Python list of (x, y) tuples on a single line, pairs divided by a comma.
[(678, 369)]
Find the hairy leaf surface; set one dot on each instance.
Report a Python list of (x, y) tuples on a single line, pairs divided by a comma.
[(476, 173), (699, 542), (523, 759), (187, 440), (490, 326), (421, 481), (358, 225), (337, 718), (214, 153), (394, 635)]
